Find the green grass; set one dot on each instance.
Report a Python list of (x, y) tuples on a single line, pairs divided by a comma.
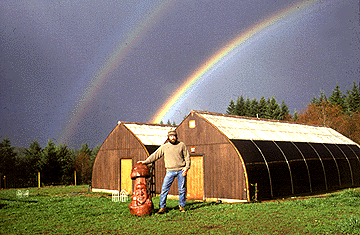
[(72, 210)]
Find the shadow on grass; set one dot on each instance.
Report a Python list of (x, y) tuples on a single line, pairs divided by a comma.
[(192, 205), (196, 205)]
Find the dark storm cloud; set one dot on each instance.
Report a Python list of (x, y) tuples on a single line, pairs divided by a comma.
[(51, 51)]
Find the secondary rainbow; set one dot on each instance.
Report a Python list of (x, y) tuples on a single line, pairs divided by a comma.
[(220, 57), (119, 53)]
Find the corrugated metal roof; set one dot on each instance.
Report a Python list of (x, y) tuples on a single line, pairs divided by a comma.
[(259, 129), (150, 134)]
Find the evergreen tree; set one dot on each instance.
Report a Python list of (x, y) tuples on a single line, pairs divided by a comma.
[(284, 111), (7, 163), (268, 112), (51, 167), (337, 98), (273, 111), (353, 98), (314, 100), (262, 107), (231, 108), (295, 117), (240, 107), (247, 108), (254, 108), (32, 163), (66, 158), (322, 98), (94, 154), (83, 164), (96, 150), (277, 112)]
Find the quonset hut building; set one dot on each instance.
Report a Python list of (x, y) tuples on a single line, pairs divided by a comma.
[(127, 143), (241, 158)]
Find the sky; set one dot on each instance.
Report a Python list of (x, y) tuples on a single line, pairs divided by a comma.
[(71, 69)]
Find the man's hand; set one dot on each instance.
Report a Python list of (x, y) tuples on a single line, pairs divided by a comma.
[(184, 171), (143, 162)]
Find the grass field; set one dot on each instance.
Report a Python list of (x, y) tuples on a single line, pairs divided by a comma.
[(72, 210)]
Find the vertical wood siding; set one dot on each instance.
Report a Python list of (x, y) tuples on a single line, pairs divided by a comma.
[(120, 144)]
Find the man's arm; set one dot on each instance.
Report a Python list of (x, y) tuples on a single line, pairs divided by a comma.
[(153, 157)]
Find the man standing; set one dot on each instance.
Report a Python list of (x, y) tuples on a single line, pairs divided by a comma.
[(177, 163)]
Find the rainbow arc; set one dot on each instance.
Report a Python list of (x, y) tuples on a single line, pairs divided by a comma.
[(221, 56)]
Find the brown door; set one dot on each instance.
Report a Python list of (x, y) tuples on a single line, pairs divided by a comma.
[(126, 182), (195, 179)]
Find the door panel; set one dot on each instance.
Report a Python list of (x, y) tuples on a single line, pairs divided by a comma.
[(126, 182), (195, 179)]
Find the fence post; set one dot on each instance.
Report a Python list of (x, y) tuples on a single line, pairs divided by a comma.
[(39, 179), (256, 192), (75, 177), (255, 198)]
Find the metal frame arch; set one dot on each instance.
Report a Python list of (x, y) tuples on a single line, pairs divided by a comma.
[(267, 167), (307, 166), (322, 164), (351, 173), (287, 162), (358, 158), (337, 166)]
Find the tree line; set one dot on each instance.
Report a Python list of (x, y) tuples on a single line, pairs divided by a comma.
[(264, 108), (339, 111), (57, 164)]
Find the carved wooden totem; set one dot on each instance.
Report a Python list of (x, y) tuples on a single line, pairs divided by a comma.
[(141, 203)]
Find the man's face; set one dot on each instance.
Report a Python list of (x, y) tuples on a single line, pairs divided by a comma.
[(172, 139)]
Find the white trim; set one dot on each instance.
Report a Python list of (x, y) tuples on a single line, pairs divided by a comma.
[(97, 190)]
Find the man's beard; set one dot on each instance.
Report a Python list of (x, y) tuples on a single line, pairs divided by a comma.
[(173, 141)]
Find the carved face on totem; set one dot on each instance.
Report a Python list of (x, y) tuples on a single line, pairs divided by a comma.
[(141, 193)]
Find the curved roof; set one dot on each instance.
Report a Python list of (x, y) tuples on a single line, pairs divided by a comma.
[(149, 134), (243, 128)]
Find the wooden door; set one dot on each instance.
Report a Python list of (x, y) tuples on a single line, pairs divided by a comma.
[(195, 179), (126, 182)]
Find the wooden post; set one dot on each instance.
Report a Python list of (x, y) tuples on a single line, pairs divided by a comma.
[(256, 192), (39, 179), (255, 198), (75, 177)]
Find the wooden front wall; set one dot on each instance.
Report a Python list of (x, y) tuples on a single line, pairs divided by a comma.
[(120, 144), (223, 171)]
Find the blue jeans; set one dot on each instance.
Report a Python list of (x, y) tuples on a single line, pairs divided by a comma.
[(168, 180)]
